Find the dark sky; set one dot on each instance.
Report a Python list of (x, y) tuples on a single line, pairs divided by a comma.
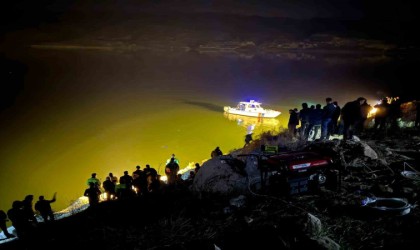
[(342, 9), (395, 19)]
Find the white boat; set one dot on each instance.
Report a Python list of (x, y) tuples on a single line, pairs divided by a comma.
[(251, 108)]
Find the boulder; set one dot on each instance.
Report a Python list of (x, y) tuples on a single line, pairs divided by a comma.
[(368, 151), (221, 175)]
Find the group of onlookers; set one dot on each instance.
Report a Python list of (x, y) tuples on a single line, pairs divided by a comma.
[(315, 120), (141, 182), (23, 215), (348, 121)]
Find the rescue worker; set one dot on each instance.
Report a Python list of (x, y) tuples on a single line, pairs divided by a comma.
[(94, 180), (175, 159)]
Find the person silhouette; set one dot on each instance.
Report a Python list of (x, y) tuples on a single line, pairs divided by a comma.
[(248, 139), (351, 114), (109, 188), (197, 167), (151, 178), (3, 227), (43, 206), (93, 194), (28, 210), (291, 125), (216, 152), (171, 171), (19, 220)]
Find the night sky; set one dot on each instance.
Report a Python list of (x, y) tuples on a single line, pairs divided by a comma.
[(341, 9), (382, 20)]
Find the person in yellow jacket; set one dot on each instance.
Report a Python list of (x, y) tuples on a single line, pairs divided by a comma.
[(94, 180)]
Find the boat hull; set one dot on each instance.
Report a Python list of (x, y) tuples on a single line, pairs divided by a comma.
[(262, 114), (247, 121)]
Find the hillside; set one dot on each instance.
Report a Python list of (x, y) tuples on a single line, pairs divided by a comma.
[(176, 218)]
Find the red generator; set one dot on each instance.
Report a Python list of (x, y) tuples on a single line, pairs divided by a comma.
[(295, 172)]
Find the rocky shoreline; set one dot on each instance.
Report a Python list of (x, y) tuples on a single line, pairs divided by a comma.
[(227, 215)]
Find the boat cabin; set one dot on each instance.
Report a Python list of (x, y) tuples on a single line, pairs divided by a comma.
[(249, 105)]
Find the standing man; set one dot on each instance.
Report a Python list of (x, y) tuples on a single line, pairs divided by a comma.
[(293, 121), (109, 188), (171, 171), (43, 206), (93, 194), (315, 121), (23, 227), (125, 189), (351, 114), (304, 120), (327, 117), (28, 210)]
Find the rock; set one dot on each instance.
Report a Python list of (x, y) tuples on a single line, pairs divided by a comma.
[(238, 202), (251, 167), (368, 151), (314, 225), (221, 175), (327, 243)]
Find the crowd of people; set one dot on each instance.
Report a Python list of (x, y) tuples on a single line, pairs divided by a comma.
[(23, 214), (349, 120), (140, 182)]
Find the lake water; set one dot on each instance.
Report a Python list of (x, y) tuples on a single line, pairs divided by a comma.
[(84, 111)]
